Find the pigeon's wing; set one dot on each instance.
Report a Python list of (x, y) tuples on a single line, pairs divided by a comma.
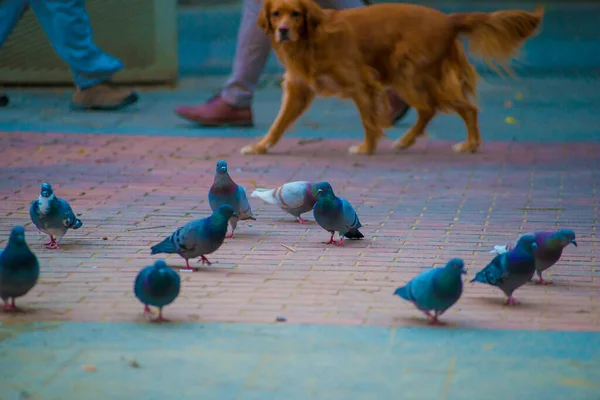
[(34, 213), (423, 283), (292, 195), (66, 213), (245, 209), (496, 271), (349, 214)]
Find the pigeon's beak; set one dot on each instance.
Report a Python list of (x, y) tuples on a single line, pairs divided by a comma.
[(45, 194), (223, 169), (463, 271), (319, 191), (235, 215), (574, 242)]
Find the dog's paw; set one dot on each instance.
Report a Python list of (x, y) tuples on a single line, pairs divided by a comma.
[(465, 147), (359, 149), (403, 143), (253, 149)]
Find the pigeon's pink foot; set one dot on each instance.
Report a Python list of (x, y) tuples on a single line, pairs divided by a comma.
[(511, 301), (436, 321), (50, 242), (10, 306), (428, 314), (331, 241), (147, 309), (205, 260), (160, 317), (341, 240), (543, 282), (230, 236), (52, 246), (187, 266), (302, 221)]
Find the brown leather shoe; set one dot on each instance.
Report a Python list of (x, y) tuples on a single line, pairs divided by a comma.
[(216, 112), (103, 97), (398, 106)]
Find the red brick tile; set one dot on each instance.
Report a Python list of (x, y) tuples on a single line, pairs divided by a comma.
[(419, 209)]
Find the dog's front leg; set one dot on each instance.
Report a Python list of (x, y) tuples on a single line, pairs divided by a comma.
[(366, 106), (297, 97)]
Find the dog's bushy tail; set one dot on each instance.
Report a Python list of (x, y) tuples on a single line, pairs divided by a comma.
[(496, 37)]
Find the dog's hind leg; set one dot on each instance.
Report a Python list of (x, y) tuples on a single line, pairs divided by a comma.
[(297, 97)]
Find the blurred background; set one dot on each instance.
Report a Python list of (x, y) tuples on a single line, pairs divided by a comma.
[(161, 41)]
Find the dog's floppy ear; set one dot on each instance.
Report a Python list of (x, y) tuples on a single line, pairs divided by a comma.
[(264, 21), (313, 15)]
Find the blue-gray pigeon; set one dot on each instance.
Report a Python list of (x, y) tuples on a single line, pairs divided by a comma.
[(294, 198), (511, 270), (19, 269), (157, 285), (53, 216), (435, 289), (335, 214), (198, 238), (225, 191), (550, 248)]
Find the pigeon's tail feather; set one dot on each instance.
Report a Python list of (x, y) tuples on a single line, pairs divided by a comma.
[(480, 277), (354, 233), (77, 224), (166, 246), (499, 249), (266, 195), (404, 293)]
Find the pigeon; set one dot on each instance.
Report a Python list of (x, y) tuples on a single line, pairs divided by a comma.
[(550, 247), (294, 198), (53, 216), (19, 269), (157, 285), (511, 270), (335, 214), (225, 191), (436, 289), (198, 238)]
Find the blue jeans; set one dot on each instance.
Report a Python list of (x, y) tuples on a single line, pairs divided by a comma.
[(67, 25)]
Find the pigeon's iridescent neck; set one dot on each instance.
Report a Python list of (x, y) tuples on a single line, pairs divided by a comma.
[(45, 203), (222, 179)]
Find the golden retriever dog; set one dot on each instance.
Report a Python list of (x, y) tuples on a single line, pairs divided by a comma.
[(415, 50)]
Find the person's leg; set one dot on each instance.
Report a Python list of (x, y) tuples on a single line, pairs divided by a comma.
[(67, 25), (11, 12), (233, 105)]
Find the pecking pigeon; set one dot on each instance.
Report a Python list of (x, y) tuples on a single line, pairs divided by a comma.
[(550, 248), (19, 269), (225, 191), (335, 214), (511, 270), (436, 289), (198, 238), (157, 285), (53, 216), (294, 198)]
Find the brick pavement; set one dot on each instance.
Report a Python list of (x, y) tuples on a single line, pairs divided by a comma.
[(419, 209)]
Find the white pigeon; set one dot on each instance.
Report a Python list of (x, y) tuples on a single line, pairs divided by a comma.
[(294, 198)]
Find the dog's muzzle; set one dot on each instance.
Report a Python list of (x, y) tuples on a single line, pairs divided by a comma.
[(284, 33)]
